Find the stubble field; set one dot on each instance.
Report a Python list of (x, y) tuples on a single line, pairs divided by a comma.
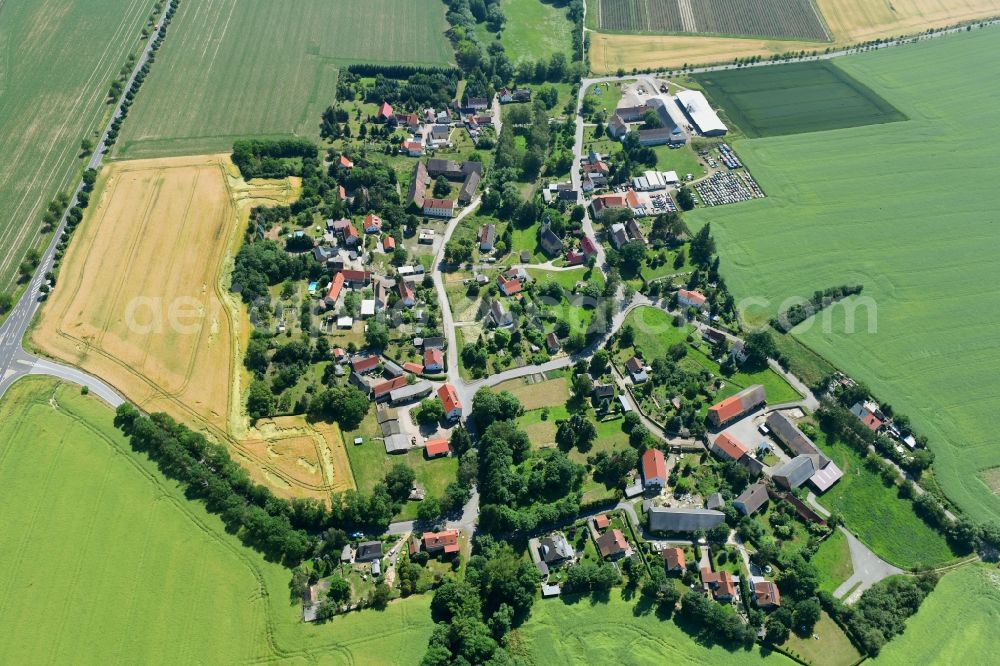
[(849, 21), (141, 304), (57, 59), (906, 210), (236, 68), (103, 560)]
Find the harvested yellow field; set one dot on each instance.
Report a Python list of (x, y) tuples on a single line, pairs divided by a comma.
[(850, 22), (855, 21), (140, 303), (611, 52)]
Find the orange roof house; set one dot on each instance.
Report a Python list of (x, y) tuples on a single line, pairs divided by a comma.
[(449, 398), (336, 285), (766, 594), (385, 111), (612, 544), (446, 541), (436, 447), (727, 446), (388, 243), (733, 407), (654, 468), (345, 163), (674, 559)]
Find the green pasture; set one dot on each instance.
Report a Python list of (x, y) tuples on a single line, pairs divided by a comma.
[(534, 30), (57, 60), (955, 624), (575, 630), (795, 98), (103, 560), (876, 514), (903, 209), (234, 68)]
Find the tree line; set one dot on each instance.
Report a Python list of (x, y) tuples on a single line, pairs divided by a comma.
[(789, 318), (284, 530)]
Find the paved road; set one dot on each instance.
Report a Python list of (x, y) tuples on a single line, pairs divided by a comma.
[(868, 567), (15, 362), (868, 570)]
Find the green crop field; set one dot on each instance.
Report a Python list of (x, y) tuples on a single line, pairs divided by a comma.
[(575, 630), (905, 209), (103, 560), (778, 19), (534, 30), (956, 623), (800, 97), (57, 59), (234, 68)]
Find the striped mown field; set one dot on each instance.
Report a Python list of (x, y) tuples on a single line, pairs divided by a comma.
[(236, 68), (57, 60)]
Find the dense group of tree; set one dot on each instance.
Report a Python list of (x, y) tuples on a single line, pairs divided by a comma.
[(474, 616), (881, 612), (264, 264), (416, 91), (519, 491), (268, 158)]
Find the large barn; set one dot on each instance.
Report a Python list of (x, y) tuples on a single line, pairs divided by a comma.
[(700, 113)]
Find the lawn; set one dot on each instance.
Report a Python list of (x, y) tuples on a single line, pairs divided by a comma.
[(567, 279), (574, 630), (104, 560), (956, 623), (876, 514), (57, 59), (833, 561), (920, 335), (795, 98), (534, 30), (234, 68), (831, 648), (370, 462)]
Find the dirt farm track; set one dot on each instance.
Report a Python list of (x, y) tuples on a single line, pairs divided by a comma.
[(141, 304)]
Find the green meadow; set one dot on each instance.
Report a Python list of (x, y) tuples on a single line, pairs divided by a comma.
[(876, 514), (574, 630), (956, 624), (234, 68), (103, 560), (534, 30), (795, 98), (57, 59), (906, 209)]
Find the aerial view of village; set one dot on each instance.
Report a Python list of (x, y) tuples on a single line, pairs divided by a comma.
[(499, 332)]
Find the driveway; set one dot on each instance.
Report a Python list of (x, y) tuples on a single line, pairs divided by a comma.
[(869, 569)]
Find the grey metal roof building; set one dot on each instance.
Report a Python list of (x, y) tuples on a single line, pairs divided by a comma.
[(795, 472), (751, 499), (668, 519), (411, 392), (789, 434)]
